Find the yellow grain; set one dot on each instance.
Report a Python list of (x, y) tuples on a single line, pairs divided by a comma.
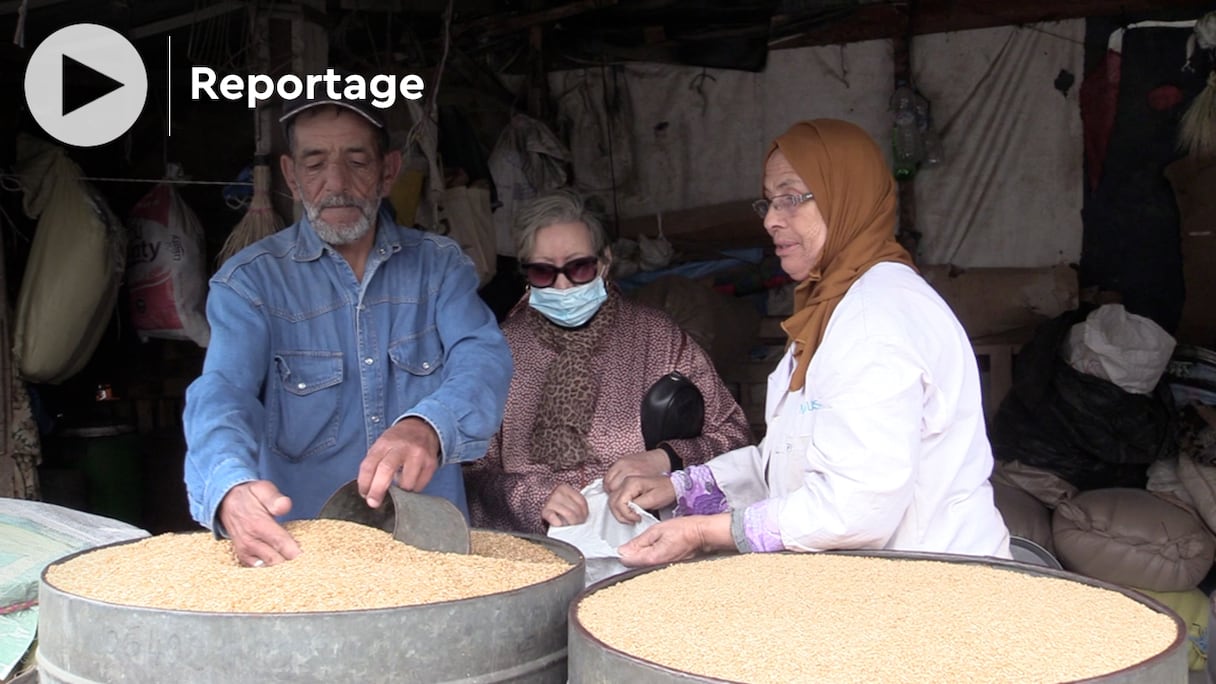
[(828, 618), (502, 545), (341, 566)]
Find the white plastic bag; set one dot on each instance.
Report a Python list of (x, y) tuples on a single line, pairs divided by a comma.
[(656, 252), (464, 216), (461, 212), (166, 277), (528, 159), (601, 534), (1129, 350)]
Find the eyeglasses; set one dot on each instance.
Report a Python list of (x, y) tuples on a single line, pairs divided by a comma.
[(579, 271), (781, 203)]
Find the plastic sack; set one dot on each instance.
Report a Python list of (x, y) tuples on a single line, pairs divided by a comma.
[(655, 252), (461, 212), (464, 216), (1191, 375), (1025, 516), (166, 280), (528, 159), (1198, 481), (1193, 607), (1164, 481), (1129, 350), (33, 535), (74, 268), (600, 535), (723, 326), (595, 114), (1083, 428), (1045, 486), (1134, 538)]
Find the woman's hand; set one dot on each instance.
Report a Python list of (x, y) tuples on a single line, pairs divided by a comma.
[(678, 539), (565, 506), (650, 493), (644, 463)]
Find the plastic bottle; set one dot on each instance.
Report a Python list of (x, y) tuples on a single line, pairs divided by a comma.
[(906, 141)]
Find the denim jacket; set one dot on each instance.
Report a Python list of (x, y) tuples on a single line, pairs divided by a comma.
[(307, 367)]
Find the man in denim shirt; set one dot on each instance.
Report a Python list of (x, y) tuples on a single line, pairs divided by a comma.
[(344, 347)]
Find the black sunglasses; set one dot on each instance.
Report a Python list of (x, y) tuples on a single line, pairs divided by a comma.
[(578, 271)]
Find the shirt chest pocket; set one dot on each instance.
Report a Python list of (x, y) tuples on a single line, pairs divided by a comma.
[(417, 369), (304, 417)]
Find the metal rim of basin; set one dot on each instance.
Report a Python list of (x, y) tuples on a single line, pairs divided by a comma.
[(98, 641)]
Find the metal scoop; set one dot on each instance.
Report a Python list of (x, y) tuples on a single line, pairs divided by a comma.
[(427, 522)]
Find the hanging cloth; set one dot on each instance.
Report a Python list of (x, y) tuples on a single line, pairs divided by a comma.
[(20, 452)]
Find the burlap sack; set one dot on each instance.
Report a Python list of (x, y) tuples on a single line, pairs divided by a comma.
[(1134, 538)]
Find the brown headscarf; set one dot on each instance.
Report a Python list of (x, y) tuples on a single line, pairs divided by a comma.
[(855, 192)]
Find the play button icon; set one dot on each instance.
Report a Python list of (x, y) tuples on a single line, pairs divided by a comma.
[(75, 93), (86, 85)]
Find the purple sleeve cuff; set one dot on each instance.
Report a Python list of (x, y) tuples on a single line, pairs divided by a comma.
[(760, 527), (697, 492)]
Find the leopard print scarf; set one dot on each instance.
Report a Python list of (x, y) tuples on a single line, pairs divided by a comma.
[(568, 396)]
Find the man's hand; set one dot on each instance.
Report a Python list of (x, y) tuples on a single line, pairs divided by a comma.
[(651, 493), (644, 463), (565, 506), (247, 513), (678, 539), (408, 451)]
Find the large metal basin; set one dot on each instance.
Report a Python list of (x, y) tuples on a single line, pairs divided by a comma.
[(594, 662), (515, 636)]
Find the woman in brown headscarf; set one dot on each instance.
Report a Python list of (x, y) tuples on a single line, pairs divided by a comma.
[(876, 435)]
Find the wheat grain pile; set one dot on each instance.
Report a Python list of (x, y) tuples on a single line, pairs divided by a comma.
[(830, 618), (341, 566)]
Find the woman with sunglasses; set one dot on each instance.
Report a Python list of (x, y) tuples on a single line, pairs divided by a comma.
[(875, 431), (584, 357)]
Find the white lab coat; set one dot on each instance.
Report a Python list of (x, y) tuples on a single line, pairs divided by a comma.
[(884, 447)]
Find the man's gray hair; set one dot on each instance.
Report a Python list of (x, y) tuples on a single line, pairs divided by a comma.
[(559, 206)]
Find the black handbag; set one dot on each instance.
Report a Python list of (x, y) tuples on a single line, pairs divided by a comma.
[(673, 408)]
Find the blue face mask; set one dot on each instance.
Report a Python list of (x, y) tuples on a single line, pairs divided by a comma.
[(571, 307)]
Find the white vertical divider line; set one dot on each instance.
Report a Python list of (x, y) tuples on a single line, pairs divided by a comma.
[(169, 93)]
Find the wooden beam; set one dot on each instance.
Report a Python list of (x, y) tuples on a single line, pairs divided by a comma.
[(493, 26), (934, 16), (11, 6), (877, 21), (865, 23), (156, 27)]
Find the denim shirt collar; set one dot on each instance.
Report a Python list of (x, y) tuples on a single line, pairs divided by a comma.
[(310, 246)]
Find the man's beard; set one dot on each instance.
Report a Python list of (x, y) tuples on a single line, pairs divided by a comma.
[(342, 234)]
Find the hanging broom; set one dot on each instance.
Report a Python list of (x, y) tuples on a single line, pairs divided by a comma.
[(1197, 130), (259, 221)]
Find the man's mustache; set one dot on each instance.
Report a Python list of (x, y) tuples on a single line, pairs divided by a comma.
[(340, 201)]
